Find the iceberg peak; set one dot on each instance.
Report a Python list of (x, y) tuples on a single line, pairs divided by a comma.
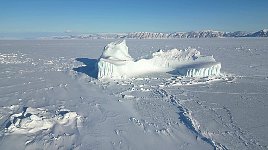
[(116, 51)]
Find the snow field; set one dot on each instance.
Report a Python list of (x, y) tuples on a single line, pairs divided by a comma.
[(54, 85)]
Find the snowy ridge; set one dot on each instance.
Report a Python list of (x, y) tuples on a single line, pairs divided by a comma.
[(153, 35), (195, 34), (116, 63), (145, 35), (165, 35), (261, 33)]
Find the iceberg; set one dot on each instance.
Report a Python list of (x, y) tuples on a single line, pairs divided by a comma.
[(116, 63)]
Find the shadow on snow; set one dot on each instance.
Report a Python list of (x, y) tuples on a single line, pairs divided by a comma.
[(90, 67)]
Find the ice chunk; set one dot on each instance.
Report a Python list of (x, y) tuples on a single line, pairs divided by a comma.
[(32, 120), (116, 63), (29, 121)]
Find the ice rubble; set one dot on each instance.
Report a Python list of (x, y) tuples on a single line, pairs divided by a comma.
[(116, 63), (32, 120)]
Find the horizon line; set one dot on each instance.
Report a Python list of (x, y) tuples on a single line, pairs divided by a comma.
[(88, 32)]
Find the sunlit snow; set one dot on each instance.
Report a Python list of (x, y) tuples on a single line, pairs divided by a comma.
[(149, 94)]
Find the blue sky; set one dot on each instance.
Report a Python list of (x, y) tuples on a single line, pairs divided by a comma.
[(91, 16)]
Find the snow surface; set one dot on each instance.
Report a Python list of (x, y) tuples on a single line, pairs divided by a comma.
[(50, 97), (116, 63)]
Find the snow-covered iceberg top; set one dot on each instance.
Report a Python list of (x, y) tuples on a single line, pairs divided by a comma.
[(117, 51), (116, 63)]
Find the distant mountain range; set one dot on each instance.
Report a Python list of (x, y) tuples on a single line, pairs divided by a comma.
[(163, 35)]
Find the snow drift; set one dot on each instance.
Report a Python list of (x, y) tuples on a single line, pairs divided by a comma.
[(116, 63)]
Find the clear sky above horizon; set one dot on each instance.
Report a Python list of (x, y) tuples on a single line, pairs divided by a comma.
[(91, 16)]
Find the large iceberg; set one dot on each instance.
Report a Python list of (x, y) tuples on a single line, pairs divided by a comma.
[(116, 63)]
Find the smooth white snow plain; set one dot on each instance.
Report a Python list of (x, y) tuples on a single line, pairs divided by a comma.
[(54, 96)]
